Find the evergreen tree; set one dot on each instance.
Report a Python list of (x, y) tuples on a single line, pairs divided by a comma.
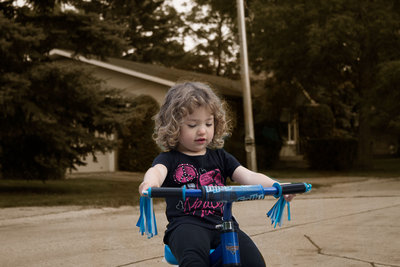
[(52, 113), (150, 28)]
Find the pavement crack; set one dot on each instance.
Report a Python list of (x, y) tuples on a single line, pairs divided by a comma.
[(320, 252), (326, 219)]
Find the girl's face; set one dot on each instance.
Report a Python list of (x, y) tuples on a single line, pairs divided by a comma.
[(196, 132)]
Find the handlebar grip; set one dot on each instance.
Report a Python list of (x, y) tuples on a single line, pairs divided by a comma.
[(294, 188), (165, 192)]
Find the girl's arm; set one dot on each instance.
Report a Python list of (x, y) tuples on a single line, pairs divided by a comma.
[(154, 177), (245, 176)]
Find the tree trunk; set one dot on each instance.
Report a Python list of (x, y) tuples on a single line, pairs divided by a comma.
[(365, 141)]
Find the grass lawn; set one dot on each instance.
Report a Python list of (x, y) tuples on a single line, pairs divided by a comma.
[(94, 192), (82, 192)]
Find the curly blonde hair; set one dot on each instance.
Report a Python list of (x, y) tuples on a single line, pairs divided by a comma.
[(180, 101)]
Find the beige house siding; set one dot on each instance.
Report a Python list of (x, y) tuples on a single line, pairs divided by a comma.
[(105, 163), (139, 79), (132, 86)]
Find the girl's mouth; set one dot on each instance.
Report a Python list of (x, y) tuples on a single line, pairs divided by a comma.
[(201, 140)]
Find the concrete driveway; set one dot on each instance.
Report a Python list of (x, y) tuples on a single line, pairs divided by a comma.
[(351, 222)]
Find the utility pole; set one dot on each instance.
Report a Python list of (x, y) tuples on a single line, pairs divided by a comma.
[(250, 144)]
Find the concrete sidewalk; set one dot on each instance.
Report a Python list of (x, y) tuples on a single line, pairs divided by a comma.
[(346, 224)]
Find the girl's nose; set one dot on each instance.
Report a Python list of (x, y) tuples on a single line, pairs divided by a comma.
[(201, 130)]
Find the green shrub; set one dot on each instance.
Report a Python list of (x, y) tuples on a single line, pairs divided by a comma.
[(268, 147), (138, 150), (331, 153), (315, 121)]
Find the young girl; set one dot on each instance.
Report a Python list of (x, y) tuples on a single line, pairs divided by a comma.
[(190, 127)]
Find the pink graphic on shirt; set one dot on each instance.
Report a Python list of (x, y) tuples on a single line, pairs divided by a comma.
[(203, 208), (185, 173), (211, 178)]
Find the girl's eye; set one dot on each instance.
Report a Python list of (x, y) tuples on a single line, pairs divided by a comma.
[(192, 125), (209, 124)]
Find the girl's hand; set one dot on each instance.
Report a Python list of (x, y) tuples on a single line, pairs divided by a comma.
[(144, 186), (154, 177), (289, 198)]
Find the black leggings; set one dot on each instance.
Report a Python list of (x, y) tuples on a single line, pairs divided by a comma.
[(191, 246)]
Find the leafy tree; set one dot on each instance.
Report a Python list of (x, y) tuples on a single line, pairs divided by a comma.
[(386, 112), (334, 49), (52, 114), (213, 25)]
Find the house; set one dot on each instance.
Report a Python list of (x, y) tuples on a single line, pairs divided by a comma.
[(137, 79)]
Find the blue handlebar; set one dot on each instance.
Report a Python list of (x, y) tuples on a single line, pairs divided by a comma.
[(229, 193)]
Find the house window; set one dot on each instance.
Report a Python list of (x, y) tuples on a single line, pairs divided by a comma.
[(292, 132)]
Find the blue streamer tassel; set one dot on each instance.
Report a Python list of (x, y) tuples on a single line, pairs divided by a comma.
[(147, 219), (276, 212)]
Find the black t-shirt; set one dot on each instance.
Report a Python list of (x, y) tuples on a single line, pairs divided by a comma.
[(213, 168)]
